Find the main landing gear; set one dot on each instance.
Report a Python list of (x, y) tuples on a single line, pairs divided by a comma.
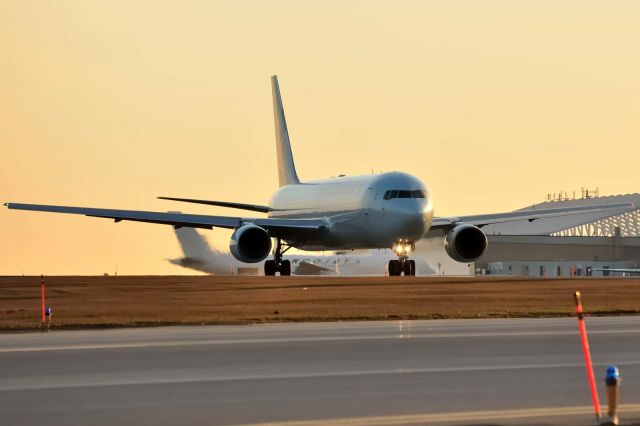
[(278, 265), (403, 265)]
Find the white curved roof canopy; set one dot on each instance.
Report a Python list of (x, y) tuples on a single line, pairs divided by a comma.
[(600, 224)]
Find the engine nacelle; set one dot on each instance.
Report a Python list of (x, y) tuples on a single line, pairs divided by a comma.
[(250, 244), (465, 243)]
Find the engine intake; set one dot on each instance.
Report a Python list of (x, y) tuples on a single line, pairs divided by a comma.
[(465, 243), (250, 244)]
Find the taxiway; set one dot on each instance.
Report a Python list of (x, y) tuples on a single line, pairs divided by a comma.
[(501, 371)]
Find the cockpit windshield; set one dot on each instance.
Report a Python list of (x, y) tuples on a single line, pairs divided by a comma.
[(403, 193)]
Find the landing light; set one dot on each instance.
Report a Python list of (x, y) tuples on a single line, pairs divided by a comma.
[(402, 248)]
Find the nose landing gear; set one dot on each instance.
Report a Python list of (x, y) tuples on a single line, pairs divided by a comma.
[(403, 265), (277, 264)]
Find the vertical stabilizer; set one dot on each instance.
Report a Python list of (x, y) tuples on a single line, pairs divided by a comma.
[(286, 168), (193, 244)]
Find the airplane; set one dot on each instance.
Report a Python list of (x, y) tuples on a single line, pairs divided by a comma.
[(387, 210), (199, 255)]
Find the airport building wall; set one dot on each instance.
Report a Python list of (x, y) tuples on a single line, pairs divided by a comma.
[(528, 255), (551, 269)]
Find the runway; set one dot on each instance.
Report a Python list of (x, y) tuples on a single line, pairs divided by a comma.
[(503, 371)]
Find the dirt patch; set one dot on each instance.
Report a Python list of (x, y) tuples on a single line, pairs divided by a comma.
[(83, 302)]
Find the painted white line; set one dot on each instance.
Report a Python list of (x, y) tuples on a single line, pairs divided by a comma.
[(203, 378), (412, 419), (227, 341)]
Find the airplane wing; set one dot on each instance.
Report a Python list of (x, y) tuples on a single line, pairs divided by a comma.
[(283, 228), (444, 223)]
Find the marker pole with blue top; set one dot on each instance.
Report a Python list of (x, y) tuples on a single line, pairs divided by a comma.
[(587, 355), (48, 313), (613, 385)]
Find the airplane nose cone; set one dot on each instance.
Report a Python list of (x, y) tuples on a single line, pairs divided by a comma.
[(411, 222), (417, 225)]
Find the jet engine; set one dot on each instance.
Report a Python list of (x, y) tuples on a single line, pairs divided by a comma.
[(250, 244), (465, 243)]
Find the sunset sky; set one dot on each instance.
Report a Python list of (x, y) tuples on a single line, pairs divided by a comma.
[(493, 104)]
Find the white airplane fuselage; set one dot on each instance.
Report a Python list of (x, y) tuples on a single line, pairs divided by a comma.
[(355, 209)]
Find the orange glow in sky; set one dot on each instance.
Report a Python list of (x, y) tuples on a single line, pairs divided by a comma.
[(110, 104)]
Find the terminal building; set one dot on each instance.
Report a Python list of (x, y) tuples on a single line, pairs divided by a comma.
[(576, 245)]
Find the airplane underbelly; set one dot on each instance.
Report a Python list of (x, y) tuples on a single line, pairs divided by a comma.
[(354, 230)]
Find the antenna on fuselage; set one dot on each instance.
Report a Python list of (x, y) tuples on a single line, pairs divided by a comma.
[(286, 168)]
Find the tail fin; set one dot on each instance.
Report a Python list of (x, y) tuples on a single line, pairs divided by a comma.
[(200, 256), (193, 244), (286, 168)]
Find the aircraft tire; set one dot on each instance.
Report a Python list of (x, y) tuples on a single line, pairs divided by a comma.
[(406, 268), (270, 267), (394, 268), (412, 267), (285, 268)]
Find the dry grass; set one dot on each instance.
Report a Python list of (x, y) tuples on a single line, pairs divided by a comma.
[(159, 300)]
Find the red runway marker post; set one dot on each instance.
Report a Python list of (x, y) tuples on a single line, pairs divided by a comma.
[(42, 296), (587, 355)]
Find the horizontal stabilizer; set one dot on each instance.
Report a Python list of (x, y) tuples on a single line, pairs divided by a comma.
[(241, 206)]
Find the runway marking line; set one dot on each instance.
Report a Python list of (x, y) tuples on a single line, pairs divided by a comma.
[(227, 341), (464, 416), (58, 384)]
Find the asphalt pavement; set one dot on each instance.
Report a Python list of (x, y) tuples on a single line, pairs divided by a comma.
[(471, 372)]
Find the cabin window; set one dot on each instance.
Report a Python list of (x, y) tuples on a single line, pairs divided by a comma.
[(402, 193), (391, 194)]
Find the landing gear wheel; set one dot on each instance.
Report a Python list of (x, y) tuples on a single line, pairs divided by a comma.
[(394, 268), (277, 264), (403, 265), (270, 267), (409, 268), (285, 268), (406, 268)]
